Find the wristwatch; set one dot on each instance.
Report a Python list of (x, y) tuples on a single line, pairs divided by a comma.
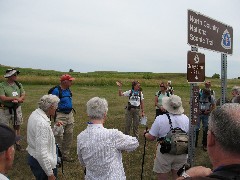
[(185, 175)]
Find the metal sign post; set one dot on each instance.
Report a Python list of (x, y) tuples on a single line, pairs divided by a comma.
[(194, 115), (194, 101), (223, 78), (207, 33)]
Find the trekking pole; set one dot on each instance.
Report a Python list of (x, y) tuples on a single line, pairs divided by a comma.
[(144, 150)]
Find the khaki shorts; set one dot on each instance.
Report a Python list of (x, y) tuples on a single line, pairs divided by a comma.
[(8, 119), (164, 163)]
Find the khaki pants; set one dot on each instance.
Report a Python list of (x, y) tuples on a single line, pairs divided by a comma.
[(65, 140), (8, 119), (132, 117)]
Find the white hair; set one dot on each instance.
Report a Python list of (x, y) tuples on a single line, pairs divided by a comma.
[(236, 89), (97, 108), (47, 101)]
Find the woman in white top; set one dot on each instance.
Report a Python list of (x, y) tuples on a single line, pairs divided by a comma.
[(41, 148), (99, 149)]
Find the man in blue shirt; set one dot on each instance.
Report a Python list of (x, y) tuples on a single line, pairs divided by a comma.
[(65, 114)]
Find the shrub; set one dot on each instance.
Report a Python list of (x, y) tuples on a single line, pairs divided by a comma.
[(216, 76)]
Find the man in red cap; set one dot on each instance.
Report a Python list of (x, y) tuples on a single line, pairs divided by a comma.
[(65, 114)]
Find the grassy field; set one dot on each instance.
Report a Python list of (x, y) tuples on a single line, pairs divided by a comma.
[(102, 84), (132, 161)]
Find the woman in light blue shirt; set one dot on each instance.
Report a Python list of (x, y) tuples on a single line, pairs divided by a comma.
[(99, 149)]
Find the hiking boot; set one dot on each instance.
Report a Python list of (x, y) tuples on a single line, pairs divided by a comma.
[(19, 147), (204, 148), (68, 159)]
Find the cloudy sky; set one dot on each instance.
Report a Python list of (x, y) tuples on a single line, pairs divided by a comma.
[(110, 35)]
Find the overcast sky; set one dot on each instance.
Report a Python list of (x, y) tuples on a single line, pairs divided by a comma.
[(110, 35)]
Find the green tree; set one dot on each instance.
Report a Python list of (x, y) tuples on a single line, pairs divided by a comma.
[(216, 76)]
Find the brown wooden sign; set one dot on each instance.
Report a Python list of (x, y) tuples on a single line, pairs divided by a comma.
[(205, 32), (195, 105), (195, 67)]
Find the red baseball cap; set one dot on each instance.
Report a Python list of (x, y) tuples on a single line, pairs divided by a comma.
[(66, 77)]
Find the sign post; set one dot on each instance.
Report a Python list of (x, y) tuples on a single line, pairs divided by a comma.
[(207, 33), (195, 74), (223, 78), (195, 67)]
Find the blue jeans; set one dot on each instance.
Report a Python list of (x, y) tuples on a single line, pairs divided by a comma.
[(37, 170), (204, 119)]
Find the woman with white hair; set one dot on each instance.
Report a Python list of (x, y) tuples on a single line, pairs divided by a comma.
[(235, 93), (42, 157), (99, 149)]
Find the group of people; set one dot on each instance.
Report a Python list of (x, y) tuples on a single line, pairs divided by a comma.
[(98, 148), (42, 139), (169, 114), (136, 104)]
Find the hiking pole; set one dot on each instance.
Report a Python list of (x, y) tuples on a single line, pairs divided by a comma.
[(144, 150)]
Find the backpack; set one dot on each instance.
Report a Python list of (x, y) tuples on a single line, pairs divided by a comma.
[(59, 90), (209, 97), (139, 94), (18, 84), (175, 142), (168, 94)]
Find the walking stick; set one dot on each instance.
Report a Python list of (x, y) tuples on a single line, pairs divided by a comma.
[(144, 150)]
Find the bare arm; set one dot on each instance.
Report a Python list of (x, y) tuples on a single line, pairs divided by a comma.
[(148, 136), (156, 102), (198, 171), (119, 84), (142, 107), (5, 98)]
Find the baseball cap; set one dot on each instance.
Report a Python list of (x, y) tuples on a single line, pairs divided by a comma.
[(10, 72), (66, 77), (7, 137)]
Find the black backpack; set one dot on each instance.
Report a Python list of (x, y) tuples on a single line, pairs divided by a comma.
[(209, 97), (168, 93), (59, 90), (18, 84)]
